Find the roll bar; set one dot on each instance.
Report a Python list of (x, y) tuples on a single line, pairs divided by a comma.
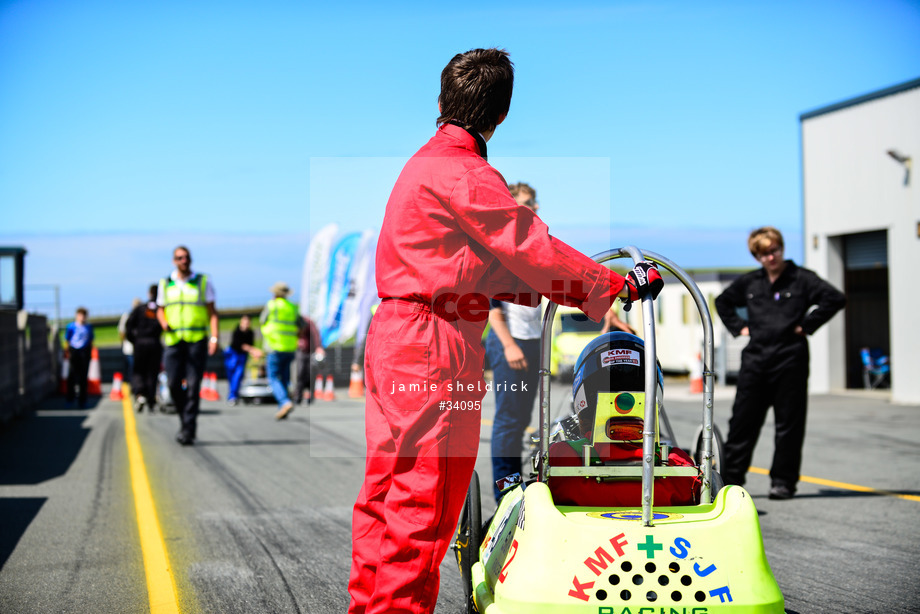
[(648, 432)]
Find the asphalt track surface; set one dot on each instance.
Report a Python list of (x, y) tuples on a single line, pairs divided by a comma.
[(256, 516)]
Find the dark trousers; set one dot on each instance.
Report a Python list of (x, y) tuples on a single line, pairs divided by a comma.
[(279, 374), (303, 379), (129, 366), (79, 372), (148, 356), (235, 364), (787, 391), (515, 392), (186, 361)]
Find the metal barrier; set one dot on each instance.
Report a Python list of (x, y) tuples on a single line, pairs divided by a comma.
[(28, 366)]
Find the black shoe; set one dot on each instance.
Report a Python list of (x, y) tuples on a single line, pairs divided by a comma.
[(780, 492), (184, 440)]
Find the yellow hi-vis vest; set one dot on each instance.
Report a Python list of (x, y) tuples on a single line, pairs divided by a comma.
[(186, 309), (280, 327)]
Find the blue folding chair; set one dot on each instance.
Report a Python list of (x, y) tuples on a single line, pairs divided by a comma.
[(876, 368)]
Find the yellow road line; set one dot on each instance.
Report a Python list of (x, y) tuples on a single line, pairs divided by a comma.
[(819, 481), (161, 586), (842, 485)]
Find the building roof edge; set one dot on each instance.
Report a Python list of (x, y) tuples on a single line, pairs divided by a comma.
[(888, 91)]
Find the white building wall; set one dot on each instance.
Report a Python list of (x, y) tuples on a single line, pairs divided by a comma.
[(851, 185), (679, 331)]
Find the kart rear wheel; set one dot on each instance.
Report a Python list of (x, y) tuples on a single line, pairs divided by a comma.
[(469, 538)]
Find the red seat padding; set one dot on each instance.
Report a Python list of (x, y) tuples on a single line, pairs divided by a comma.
[(588, 492)]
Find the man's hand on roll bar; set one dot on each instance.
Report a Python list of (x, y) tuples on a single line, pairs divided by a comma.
[(644, 280)]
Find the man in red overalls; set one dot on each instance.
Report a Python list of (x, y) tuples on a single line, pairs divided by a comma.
[(452, 237)]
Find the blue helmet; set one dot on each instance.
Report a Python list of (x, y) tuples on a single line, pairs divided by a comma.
[(612, 362)]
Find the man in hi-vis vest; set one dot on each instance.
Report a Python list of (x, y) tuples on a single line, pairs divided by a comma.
[(280, 322), (185, 309)]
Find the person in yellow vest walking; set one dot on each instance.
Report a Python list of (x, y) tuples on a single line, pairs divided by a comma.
[(185, 309), (280, 322)]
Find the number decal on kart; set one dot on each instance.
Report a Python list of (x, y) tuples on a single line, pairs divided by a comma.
[(504, 571)]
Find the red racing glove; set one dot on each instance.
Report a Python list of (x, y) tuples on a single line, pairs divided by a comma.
[(642, 281)]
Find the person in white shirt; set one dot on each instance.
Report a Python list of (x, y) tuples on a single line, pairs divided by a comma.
[(513, 350)]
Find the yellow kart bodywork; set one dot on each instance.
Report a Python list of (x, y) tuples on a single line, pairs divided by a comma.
[(698, 559), (540, 558)]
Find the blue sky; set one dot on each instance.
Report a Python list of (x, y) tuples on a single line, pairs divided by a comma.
[(239, 128)]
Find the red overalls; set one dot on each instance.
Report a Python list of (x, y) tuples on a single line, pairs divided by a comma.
[(452, 237)]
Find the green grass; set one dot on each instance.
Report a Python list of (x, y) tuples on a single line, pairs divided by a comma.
[(107, 334)]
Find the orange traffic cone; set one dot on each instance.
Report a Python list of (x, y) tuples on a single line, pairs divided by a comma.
[(208, 391), (115, 394), (94, 377), (696, 377), (318, 389), (329, 393), (356, 386), (214, 391)]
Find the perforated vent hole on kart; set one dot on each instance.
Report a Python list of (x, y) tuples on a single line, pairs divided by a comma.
[(651, 574)]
